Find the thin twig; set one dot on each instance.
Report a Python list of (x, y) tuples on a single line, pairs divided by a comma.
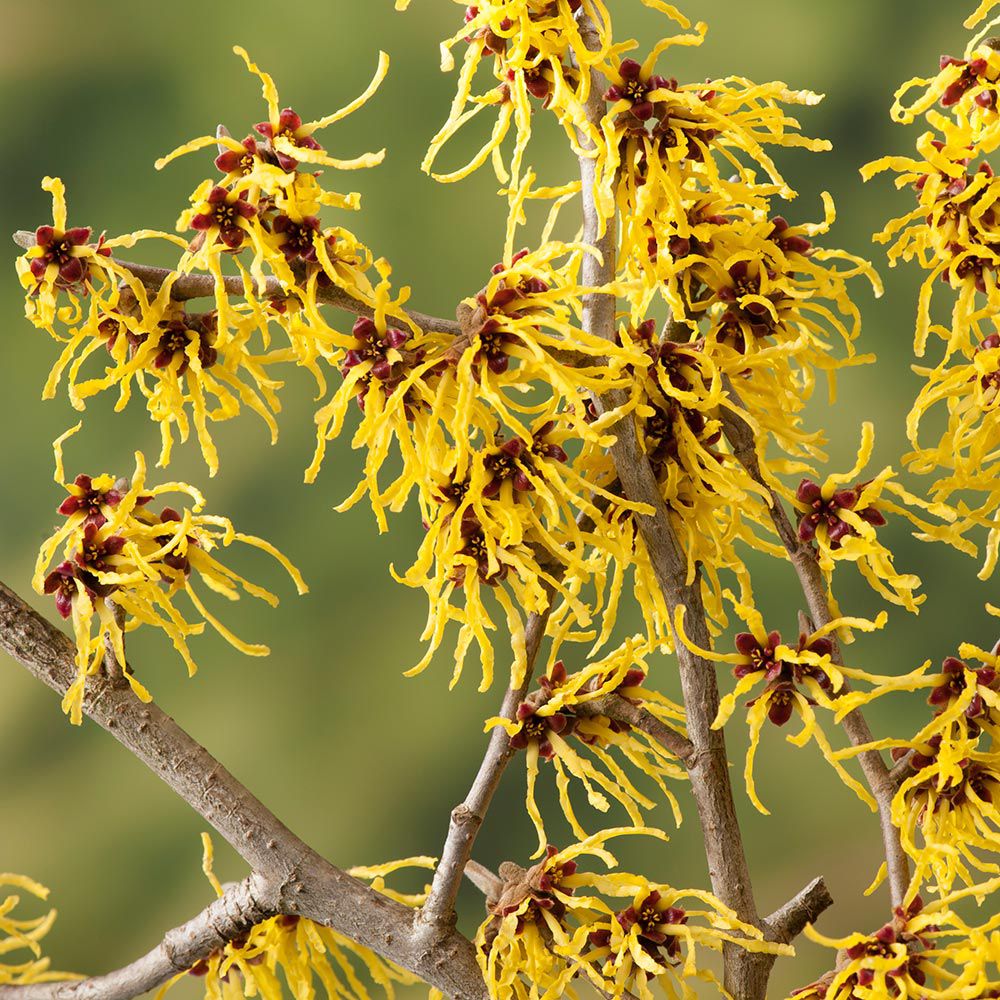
[(902, 769), (467, 817), (619, 709), (227, 918), (197, 286), (489, 884), (803, 559), (788, 921), (304, 882)]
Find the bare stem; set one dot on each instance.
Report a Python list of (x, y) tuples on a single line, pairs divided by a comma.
[(111, 665), (489, 884), (303, 882), (788, 922), (197, 286), (228, 917), (467, 817), (803, 559)]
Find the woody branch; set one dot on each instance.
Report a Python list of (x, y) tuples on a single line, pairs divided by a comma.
[(288, 876), (745, 973), (196, 286)]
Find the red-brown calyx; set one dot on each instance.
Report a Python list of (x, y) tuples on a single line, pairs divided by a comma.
[(289, 127), (826, 510), (57, 248), (636, 90), (226, 212)]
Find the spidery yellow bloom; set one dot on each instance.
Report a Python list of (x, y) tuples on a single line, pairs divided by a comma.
[(24, 934), (290, 954), (536, 53), (796, 680), (953, 233), (123, 566), (64, 264), (555, 921), (553, 725), (924, 950), (841, 517)]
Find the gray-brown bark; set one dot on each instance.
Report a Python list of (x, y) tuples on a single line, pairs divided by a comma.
[(198, 286), (300, 881), (233, 914)]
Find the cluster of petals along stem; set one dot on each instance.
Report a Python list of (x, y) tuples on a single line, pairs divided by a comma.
[(953, 233), (119, 560), (948, 772), (288, 955), (499, 431), (557, 921), (22, 960)]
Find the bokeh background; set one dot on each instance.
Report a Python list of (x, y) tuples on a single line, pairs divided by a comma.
[(361, 762)]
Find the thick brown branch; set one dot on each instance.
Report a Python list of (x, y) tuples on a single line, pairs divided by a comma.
[(197, 286), (228, 917), (305, 883), (746, 975), (787, 922), (803, 559), (619, 709)]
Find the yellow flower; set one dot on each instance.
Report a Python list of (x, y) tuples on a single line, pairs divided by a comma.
[(286, 141), (300, 954), (841, 520), (673, 135), (583, 746), (945, 809), (125, 565), (924, 950), (554, 921), (25, 934), (187, 373), (63, 263), (382, 365), (951, 233), (201, 367), (795, 679), (499, 495), (528, 43)]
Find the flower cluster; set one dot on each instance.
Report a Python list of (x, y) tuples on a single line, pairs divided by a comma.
[(947, 774), (300, 955), (564, 723), (124, 563), (555, 921), (924, 950), (536, 56), (24, 934), (259, 213), (794, 681), (954, 235), (502, 430)]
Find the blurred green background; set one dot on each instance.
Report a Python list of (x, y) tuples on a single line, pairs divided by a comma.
[(362, 763)]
